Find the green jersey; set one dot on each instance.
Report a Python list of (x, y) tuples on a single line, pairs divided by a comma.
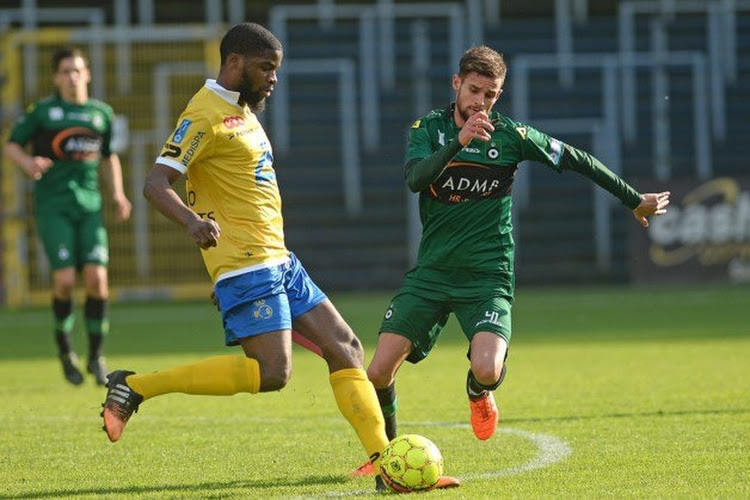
[(75, 137), (465, 194)]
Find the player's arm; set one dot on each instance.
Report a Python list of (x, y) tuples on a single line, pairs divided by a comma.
[(560, 156), (33, 166), (159, 191), (422, 169), (642, 205), (112, 176)]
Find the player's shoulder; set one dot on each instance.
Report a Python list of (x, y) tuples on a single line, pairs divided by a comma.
[(514, 128), (100, 105), (42, 103), (436, 115)]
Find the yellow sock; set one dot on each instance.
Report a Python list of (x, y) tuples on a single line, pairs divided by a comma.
[(217, 376), (356, 399)]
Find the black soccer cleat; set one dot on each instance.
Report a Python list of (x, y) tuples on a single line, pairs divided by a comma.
[(71, 368), (121, 403), (98, 368), (380, 486)]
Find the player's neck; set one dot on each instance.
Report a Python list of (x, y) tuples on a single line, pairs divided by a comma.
[(75, 98)]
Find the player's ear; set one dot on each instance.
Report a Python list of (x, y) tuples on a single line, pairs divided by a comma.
[(456, 82)]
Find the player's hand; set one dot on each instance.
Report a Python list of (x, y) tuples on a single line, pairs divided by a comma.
[(651, 204), (214, 300), (36, 167), (123, 208), (478, 126), (205, 232)]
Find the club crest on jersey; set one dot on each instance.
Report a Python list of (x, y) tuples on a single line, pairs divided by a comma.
[(56, 113), (181, 131)]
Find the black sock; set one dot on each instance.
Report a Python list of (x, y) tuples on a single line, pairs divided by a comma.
[(97, 324), (476, 390), (389, 405), (62, 311)]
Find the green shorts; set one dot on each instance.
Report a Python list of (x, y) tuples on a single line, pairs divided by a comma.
[(73, 240), (421, 319)]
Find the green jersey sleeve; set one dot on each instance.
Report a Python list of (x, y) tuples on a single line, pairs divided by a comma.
[(538, 146), (109, 119), (26, 126), (423, 162)]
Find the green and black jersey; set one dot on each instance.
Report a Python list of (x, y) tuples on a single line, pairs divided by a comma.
[(465, 202), (75, 137)]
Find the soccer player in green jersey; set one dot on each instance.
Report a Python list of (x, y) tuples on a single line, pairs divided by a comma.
[(70, 136), (462, 160)]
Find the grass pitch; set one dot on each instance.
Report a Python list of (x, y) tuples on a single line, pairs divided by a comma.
[(610, 392)]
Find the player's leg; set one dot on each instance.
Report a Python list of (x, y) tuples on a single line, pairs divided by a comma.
[(255, 314), (390, 353), (487, 323), (97, 320), (93, 253), (57, 235), (409, 330), (316, 319)]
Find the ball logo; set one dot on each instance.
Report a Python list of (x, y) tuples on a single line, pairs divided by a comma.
[(231, 122)]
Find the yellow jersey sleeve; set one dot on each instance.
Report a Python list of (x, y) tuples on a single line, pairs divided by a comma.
[(191, 140)]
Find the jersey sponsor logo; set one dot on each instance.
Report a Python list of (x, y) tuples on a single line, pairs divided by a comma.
[(172, 151), (56, 114), (192, 148), (555, 150), (231, 122), (181, 131), (77, 143), (464, 181), (475, 151)]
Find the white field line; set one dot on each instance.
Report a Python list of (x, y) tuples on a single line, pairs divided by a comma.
[(551, 450)]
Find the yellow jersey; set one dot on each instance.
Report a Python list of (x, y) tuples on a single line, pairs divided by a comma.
[(228, 159)]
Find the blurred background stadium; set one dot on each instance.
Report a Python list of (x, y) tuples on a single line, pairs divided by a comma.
[(659, 90)]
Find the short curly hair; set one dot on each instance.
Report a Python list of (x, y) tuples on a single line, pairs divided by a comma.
[(247, 39), (484, 61)]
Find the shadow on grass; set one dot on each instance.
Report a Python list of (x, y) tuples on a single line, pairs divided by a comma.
[(211, 489), (660, 413)]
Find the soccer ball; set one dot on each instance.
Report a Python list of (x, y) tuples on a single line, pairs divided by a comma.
[(411, 463)]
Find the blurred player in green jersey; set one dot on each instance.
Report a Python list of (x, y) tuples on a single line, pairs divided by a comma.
[(462, 160), (70, 137)]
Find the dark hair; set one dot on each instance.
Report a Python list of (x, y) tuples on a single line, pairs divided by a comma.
[(248, 39), (484, 61), (65, 53)]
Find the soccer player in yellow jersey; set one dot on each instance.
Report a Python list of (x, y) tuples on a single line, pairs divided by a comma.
[(233, 212)]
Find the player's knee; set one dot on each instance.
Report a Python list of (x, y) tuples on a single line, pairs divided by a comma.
[(380, 377), (275, 376), (63, 287), (347, 349), (487, 374)]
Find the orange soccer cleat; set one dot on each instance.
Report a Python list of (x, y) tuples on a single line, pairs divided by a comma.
[(366, 469), (484, 416), (119, 405)]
